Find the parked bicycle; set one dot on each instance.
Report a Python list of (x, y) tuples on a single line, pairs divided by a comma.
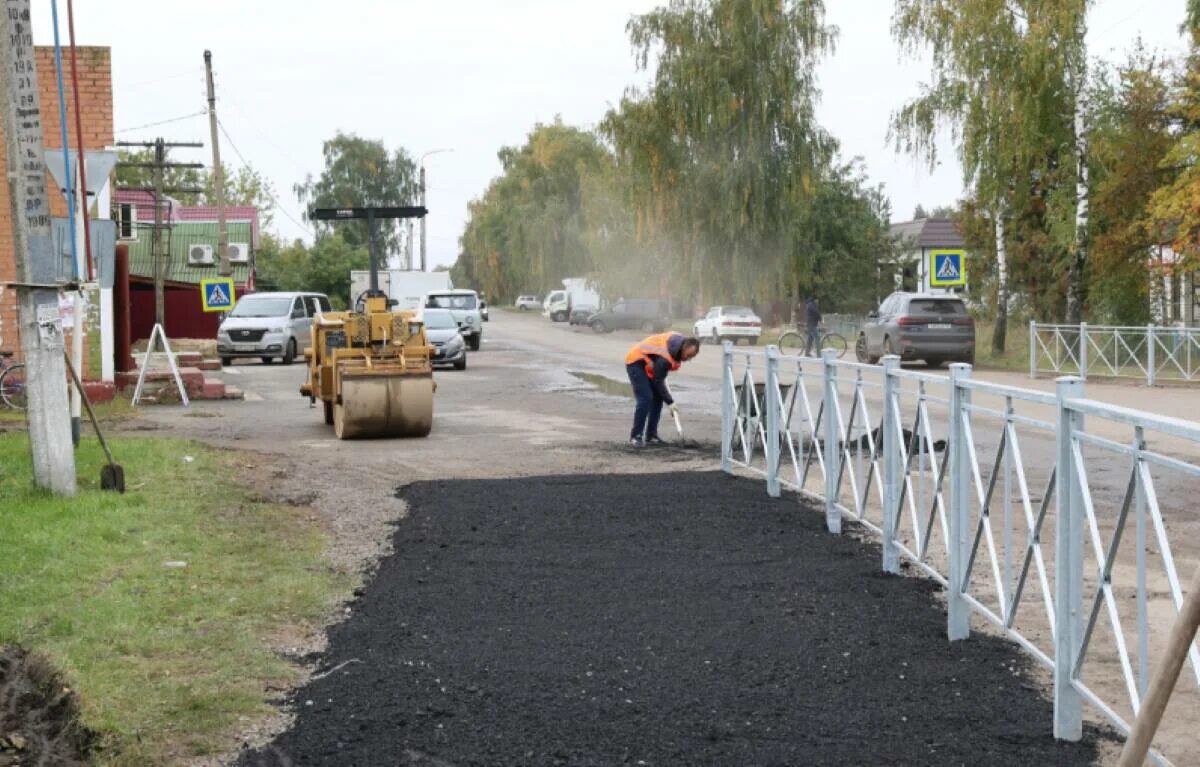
[(793, 341), (12, 382)]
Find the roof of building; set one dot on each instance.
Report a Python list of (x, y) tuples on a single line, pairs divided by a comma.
[(180, 237), (928, 233), (175, 211)]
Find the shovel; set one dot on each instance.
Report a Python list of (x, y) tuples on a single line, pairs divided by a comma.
[(675, 414), (112, 476)]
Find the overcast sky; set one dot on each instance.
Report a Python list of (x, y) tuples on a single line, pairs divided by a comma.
[(472, 76)]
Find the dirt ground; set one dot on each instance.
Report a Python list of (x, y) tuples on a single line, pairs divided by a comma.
[(520, 410)]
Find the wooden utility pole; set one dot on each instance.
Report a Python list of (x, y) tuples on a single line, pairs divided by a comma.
[(158, 259), (223, 266), (47, 412)]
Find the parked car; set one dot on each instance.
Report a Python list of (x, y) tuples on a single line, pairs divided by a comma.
[(728, 323), (934, 327), (464, 305), (269, 326), (581, 314), (449, 347), (527, 303), (648, 315)]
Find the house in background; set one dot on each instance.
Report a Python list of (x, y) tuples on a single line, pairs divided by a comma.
[(915, 243), (189, 240)]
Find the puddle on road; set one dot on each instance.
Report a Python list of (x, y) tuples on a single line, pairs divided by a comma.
[(605, 384)]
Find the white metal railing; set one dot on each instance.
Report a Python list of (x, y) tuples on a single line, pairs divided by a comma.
[(1150, 352), (999, 493)]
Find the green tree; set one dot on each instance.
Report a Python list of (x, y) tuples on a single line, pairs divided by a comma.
[(360, 173), (328, 265), (244, 186), (173, 178)]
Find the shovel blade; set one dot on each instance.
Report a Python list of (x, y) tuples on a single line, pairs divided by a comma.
[(112, 477)]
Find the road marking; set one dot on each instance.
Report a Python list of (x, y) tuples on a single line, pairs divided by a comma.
[(250, 396), (231, 371)]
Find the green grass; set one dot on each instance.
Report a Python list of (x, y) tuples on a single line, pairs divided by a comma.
[(117, 409), (165, 659), (1016, 347)]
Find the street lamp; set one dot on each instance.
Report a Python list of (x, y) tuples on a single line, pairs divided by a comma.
[(421, 162)]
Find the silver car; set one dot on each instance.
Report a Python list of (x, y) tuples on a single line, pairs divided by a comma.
[(269, 326), (442, 332), (934, 327)]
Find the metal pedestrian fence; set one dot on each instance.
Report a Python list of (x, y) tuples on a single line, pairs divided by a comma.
[(1153, 353), (1047, 516)]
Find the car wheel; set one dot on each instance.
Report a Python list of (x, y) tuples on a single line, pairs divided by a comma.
[(752, 340), (461, 364), (598, 327), (268, 360), (473, 342), (716, 339), (523, 308), (226, 361), (887, 346), (558, 317), (289, 354), (934, 363)]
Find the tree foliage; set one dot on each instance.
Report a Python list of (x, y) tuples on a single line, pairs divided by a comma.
[(360, 173)]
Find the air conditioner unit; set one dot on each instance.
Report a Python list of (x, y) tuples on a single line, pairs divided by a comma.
[(239, 252), (200, 255)]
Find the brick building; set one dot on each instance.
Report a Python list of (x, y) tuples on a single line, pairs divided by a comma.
[(96, 113)]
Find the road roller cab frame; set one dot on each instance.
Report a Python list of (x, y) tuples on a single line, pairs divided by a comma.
[(370, 366)]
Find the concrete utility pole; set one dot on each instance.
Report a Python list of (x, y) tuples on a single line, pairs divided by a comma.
[(421, 188), (160, 164), (46, 412), (224, 268)]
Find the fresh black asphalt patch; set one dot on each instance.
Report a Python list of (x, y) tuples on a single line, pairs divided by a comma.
[(667, 619)]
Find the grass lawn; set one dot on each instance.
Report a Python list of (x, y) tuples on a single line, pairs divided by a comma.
[(158, 604)]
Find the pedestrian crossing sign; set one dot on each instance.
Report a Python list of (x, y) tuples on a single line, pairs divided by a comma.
[(217, 294), (947, 268)]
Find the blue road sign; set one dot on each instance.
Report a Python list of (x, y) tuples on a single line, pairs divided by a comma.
[(947, 268), (217, 294)]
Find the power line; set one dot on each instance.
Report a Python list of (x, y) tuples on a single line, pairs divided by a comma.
[(266, 190), (162, 122)]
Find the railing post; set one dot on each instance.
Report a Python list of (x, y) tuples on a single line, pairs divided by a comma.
[(1083, 350), (727, 406), (958, 612), (1033, 348), (771, 395), (1068, 566), (891, 464), (832, 443), (1150, 363)]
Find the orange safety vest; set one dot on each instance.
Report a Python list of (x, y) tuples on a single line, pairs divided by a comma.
[(652, 346)]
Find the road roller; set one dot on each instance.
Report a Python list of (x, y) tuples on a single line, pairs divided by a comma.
[(371, 366)]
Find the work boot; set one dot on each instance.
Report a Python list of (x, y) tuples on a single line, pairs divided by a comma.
[(636, 442), (655, 440)]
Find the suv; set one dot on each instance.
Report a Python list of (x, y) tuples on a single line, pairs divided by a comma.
[(525, 303), (269, 325), (464, 305), (645, 314), (934, 327)]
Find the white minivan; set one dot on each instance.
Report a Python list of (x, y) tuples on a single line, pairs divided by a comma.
[(269, 326)]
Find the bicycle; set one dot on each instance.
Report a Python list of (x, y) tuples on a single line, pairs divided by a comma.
[(794, 341), (12, 382)]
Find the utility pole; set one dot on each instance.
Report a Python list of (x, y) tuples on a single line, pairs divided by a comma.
[(47, 413), (159, 166), (224, 268), (421, 189)]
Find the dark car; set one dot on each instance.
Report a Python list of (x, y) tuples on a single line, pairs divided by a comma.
[(443, 334), (934, 327), (581, 314), (643, 314)]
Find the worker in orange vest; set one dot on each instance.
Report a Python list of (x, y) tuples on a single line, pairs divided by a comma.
[(647, 364)]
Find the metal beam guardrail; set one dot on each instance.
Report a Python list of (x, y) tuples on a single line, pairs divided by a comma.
[(1153, 353), (1023, 510)]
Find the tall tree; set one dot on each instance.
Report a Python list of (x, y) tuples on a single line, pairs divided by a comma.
[(359, 173), (173, 178)]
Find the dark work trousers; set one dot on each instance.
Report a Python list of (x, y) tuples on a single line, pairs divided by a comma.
[(812, 341), (649, 405)]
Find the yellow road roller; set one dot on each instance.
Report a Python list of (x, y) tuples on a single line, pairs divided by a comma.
[(371, 366)]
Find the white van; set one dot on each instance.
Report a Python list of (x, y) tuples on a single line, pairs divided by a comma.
[(269, 326)]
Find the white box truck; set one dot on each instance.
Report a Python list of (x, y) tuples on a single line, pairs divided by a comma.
[(407, 288), (576, 293)]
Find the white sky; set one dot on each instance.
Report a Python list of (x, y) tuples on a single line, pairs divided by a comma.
[(472, 75)]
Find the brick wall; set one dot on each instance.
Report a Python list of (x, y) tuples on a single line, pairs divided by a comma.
[(96, 104)]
